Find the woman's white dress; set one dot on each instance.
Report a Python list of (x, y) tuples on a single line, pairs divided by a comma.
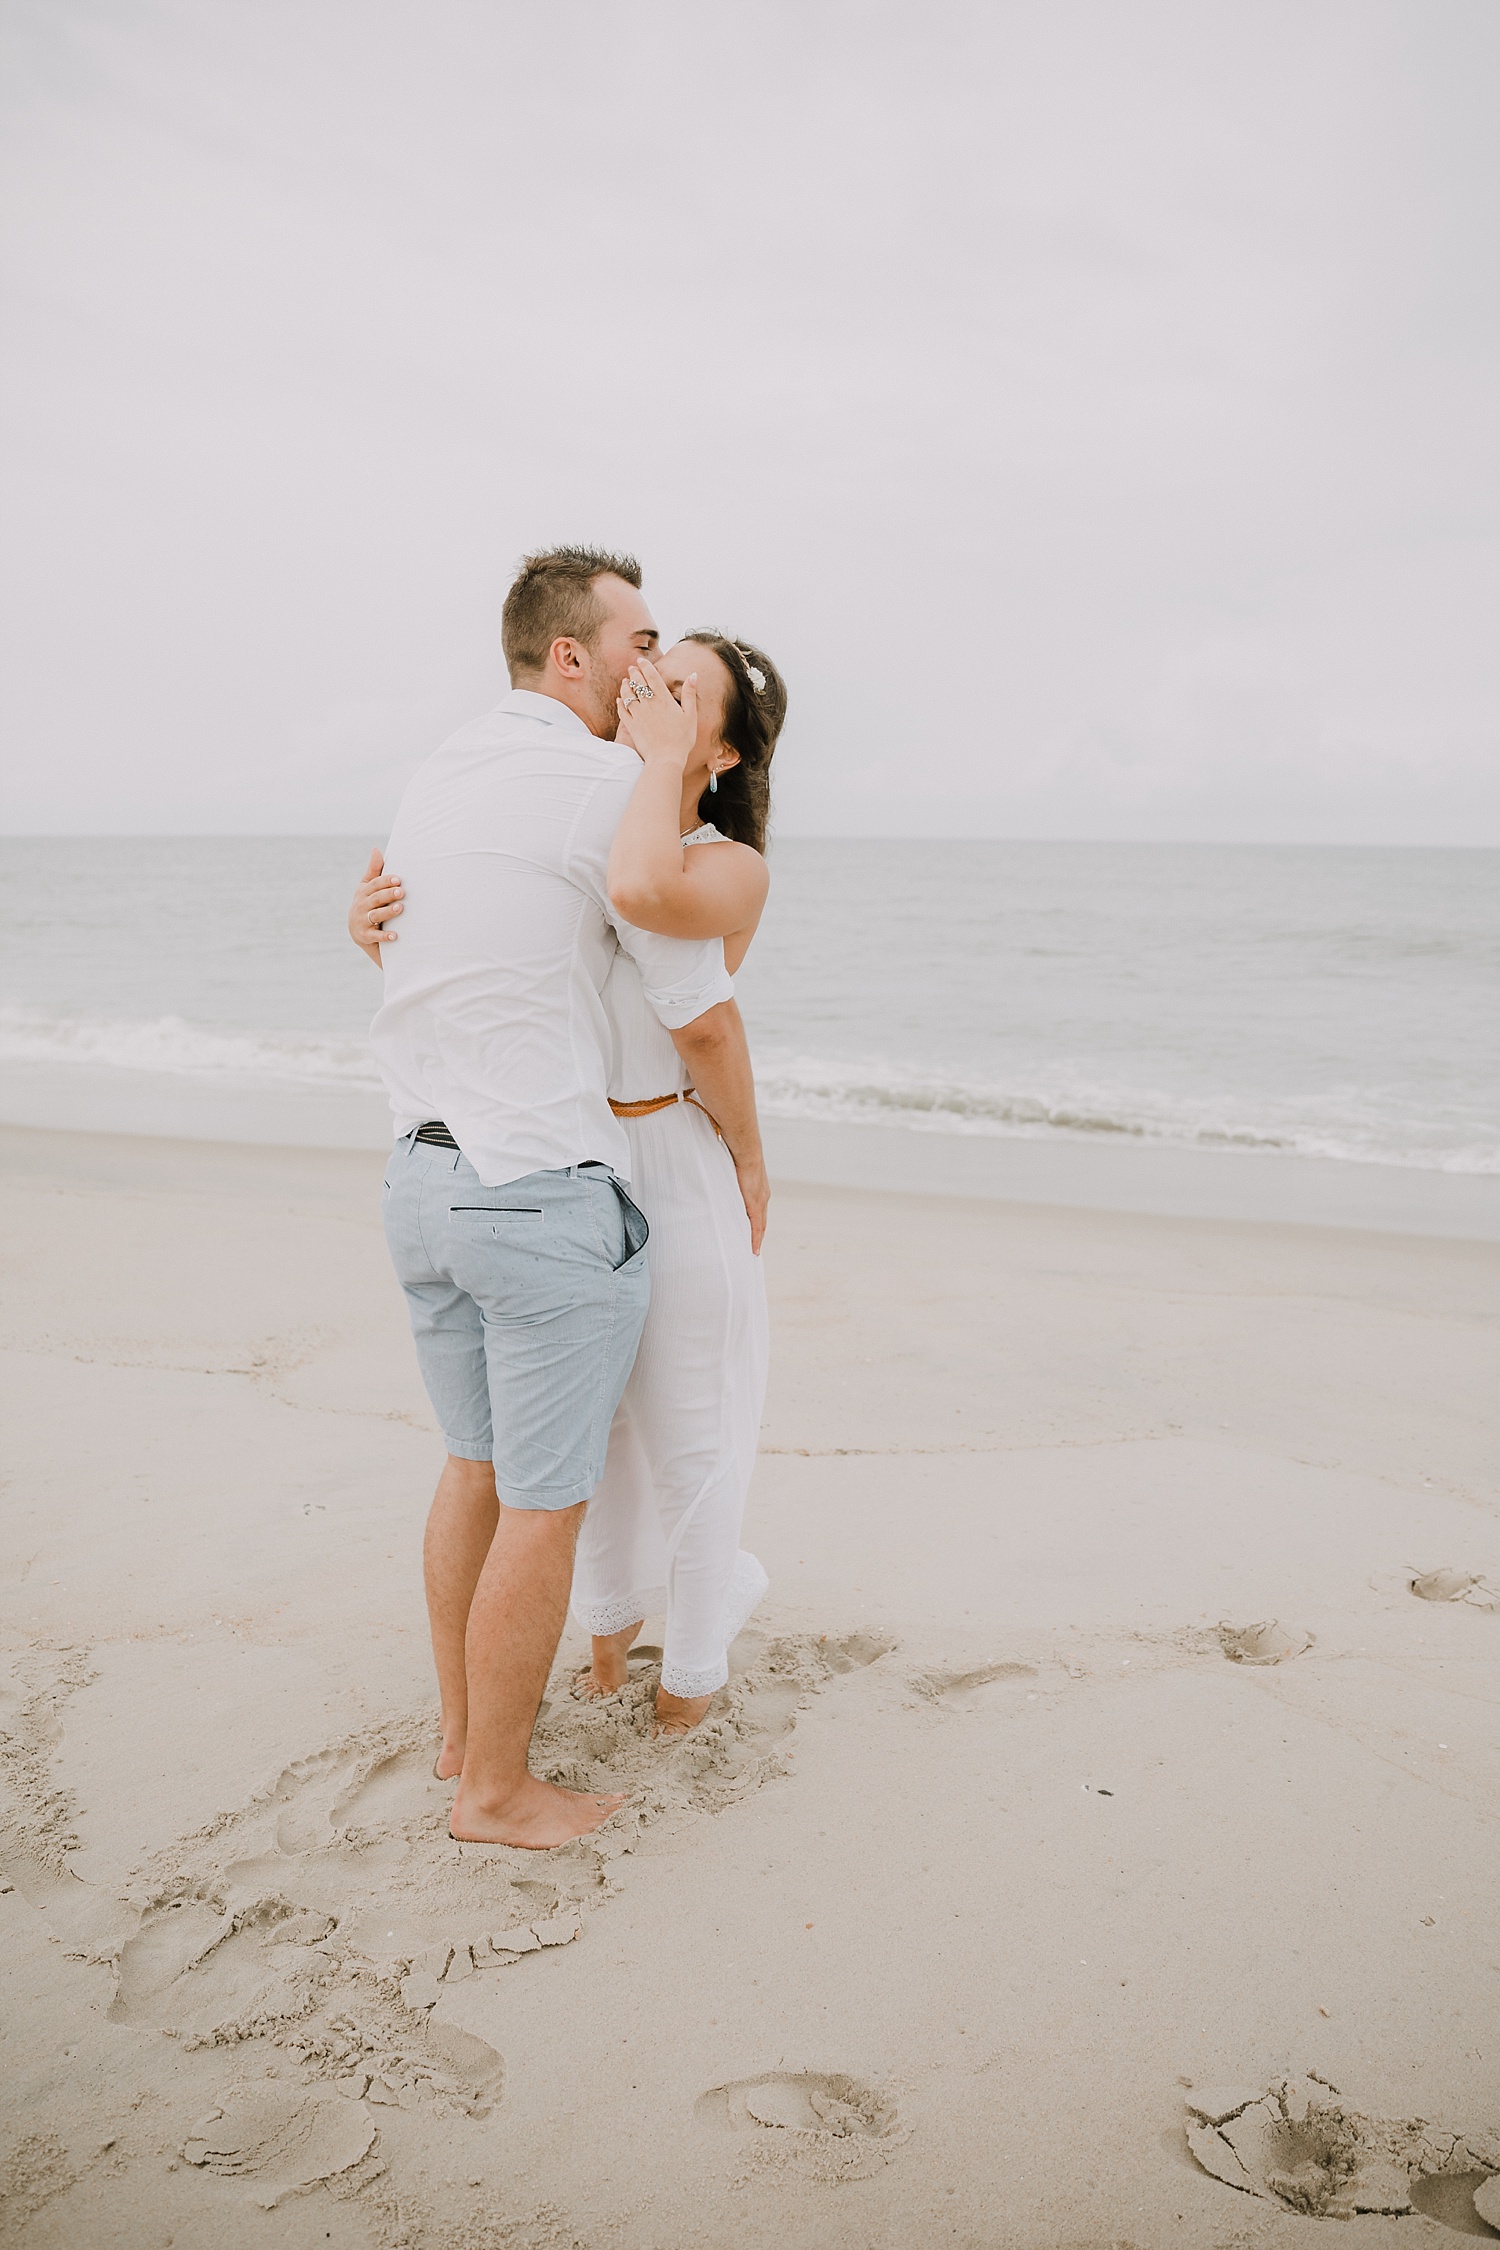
[(662, 1532)]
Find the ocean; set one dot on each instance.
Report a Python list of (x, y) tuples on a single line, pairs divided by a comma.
[(1329, 1003)]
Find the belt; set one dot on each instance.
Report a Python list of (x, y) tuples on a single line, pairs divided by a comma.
[(436, 1134), (662, 1101)]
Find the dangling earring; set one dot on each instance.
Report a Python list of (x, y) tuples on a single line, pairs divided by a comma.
[(713, 782)]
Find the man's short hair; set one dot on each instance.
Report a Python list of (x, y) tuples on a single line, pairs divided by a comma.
[(553, 598)]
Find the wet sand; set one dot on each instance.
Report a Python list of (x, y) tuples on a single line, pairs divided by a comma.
[(994, 1877)]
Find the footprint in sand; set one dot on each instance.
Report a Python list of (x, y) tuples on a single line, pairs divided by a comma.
[(1300, 2145), (937, 1686), (194, 1964), (330, 1919), (610, 1745), (174, 1942), (387, 1795), (853, 1651), (822, 2123), (331, 1915), (354, 1793), (350, 1810), (301, 1796), (370, 1803), (282, 2142), (450, 1965), (216, 1975), (1269, 1642), (1455, 1586)]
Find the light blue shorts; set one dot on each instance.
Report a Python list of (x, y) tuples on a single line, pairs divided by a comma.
[(526, 1303)]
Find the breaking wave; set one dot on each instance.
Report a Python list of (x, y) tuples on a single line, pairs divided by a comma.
[(1346, 1127), (168, 1043), (1344, 1124)]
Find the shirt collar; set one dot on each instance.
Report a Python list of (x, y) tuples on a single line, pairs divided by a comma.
[(527, 704)]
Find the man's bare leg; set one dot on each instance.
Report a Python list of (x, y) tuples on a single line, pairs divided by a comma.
[(515, 1623), (609, 1670), (460, 1527)]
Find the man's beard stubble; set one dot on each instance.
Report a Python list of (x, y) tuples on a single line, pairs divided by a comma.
[(604, 719)]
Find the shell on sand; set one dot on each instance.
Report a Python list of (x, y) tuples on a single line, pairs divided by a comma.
[(1269, 1642), (1487, 2201)]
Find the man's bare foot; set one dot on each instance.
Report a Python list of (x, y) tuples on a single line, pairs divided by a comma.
[(450, 1762), (679, 1714), (609, 1671), (535, 1817)]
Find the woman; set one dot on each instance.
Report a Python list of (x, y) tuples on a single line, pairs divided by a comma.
[(662, 1531)]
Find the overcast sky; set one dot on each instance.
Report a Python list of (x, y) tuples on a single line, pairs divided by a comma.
[(1090, 403)]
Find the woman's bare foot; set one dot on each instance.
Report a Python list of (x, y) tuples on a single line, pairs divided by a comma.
[(535, 1817), (609, 1671), (450, 1761), (679, 1714)]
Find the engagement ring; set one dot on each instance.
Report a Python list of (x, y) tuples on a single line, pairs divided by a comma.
[(645, 695)]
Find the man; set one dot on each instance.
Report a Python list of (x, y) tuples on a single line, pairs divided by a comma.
[(520, 1253)]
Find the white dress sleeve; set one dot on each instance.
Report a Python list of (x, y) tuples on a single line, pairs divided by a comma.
[(682, 977)]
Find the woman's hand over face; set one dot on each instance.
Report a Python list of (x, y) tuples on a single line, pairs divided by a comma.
[(374, 908), (659, 729)]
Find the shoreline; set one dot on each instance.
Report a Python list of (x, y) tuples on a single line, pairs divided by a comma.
[(1125, 1175)]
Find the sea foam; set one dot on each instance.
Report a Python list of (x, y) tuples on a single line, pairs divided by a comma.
[(871, 1091), (169, 1044)]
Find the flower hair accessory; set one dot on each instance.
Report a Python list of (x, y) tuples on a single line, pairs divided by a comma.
[(757, 676)]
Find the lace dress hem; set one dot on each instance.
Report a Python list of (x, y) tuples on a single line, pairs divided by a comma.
[(600, 1618), (747, 1590)]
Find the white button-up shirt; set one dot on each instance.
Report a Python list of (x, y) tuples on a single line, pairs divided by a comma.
[(493, 1018)]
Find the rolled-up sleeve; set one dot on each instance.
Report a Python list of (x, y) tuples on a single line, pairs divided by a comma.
[(683, 977)]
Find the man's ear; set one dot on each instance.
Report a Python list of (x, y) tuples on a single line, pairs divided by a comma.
[(568, 656)]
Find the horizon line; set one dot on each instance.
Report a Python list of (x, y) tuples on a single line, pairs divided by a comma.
[(799, 836)]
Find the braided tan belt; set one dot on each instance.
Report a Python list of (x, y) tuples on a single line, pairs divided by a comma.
[(664, 1101)]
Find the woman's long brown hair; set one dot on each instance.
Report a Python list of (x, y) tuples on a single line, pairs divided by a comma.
[(753, 719)]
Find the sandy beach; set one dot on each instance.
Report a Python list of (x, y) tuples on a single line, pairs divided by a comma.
[(998, 1873)]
